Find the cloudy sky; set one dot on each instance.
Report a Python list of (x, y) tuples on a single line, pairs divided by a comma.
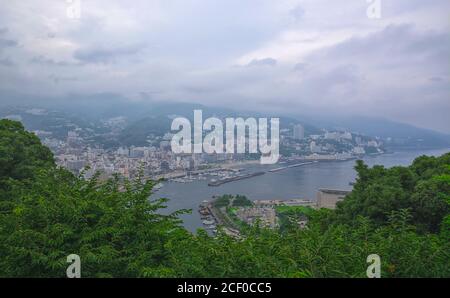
[(311, 56)]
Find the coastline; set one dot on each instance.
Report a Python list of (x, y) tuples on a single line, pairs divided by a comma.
[(301, 182)]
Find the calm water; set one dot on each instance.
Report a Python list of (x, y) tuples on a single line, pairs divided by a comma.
[(293, 183)]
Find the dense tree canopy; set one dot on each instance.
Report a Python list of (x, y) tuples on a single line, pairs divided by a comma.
[(21, 153), (46, 213), (423, 188)]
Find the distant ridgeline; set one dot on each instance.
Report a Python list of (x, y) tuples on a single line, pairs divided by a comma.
[(133, 124), (47, 214)]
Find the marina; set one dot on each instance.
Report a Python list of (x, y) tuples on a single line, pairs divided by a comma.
[(298, 182), (213, 216)]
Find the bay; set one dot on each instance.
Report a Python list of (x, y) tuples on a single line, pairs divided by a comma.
[(293, 183)]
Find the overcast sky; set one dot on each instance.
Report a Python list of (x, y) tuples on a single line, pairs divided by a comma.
[(286, 55)]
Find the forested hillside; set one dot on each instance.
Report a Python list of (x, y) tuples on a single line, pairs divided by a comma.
[(46, 213)]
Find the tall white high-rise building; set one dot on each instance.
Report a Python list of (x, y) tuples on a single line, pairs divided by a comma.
[(299, 132)]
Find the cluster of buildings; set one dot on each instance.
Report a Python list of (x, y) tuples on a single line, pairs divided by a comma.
[(75, 155), (264, 212), (156, 159), (266, 216), (330, 145)]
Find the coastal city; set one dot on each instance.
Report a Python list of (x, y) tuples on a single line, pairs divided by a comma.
[(79, 154), (225, 147), (81, 151), (157, 162)]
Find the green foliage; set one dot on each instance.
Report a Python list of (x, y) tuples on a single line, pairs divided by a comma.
[(116, 233), (423, 187), (223, 201), (242, 201), (21, 153), (46, 214), (294, 209), (339, 251), (113, 226), (289, 216)]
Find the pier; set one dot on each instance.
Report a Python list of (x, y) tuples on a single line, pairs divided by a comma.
[(291, 166), (236, 178)]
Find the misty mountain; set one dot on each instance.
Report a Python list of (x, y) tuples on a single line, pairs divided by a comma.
[(144, 118), (401, 134)]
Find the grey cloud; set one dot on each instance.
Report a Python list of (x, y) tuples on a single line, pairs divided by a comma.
[(297, 13), (389, 74), (7, 43), (104, 54), (51, 62), (385, 73), (336, 60), (263, 62), (56, 79), (7, 62), (300, 66), (4, 44), (436, 79), (393, 46)]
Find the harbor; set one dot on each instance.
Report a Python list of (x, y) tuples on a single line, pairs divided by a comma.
[(213, 214), (298, 182), (221, 175)]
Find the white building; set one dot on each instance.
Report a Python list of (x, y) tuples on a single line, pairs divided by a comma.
[(314, 148), (123, 151), (299, 132), (359, 150), (331, 135), (372, 144), (346, 135)]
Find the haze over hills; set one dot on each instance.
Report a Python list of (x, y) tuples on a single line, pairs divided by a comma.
[(142, 118), (408, 135)]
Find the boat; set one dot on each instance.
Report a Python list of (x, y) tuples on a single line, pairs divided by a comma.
[(158, 186)]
